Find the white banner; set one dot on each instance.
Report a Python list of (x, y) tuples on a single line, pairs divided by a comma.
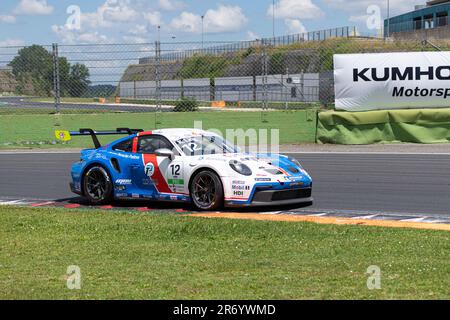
[(392, 80)]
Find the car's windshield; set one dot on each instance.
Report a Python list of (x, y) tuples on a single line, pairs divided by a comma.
[(203, 145)]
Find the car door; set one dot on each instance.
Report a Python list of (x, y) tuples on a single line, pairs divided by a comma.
[(159, 177), (125, 162)]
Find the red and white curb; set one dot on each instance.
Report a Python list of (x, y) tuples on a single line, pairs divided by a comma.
[(309, 212)]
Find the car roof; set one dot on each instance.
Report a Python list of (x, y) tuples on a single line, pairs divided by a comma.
[(180, 133)]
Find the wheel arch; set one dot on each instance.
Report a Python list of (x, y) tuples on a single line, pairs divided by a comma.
[(91, 165), (196, 171)]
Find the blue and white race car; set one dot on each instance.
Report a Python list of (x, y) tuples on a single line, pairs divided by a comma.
[(186, 165)]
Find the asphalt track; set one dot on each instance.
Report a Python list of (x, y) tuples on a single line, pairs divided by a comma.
[(358, 182)]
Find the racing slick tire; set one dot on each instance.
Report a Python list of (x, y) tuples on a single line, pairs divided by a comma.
[(206, 190), (97, 186)]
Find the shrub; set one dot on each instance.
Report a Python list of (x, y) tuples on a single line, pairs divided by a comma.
[(186, 105)]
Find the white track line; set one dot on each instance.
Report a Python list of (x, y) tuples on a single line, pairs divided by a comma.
[(421, 219), (368, 217), (13, 202)]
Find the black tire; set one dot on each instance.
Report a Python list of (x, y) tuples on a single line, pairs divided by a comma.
[(206, 191), (97, 186)]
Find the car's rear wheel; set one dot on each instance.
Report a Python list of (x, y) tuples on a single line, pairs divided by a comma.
[(97, 186), (206, 190)]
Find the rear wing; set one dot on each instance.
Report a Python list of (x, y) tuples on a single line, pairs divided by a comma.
[(64, 135)]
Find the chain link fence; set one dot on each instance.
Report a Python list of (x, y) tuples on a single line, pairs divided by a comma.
[(267, 83)]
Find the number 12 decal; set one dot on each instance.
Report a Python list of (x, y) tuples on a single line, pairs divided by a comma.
[(175, 169)]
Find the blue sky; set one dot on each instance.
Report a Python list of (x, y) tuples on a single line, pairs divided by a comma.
[(125, 21)]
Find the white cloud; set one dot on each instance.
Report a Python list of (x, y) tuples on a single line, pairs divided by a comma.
[(187, 22), (92, 37), (154, 18), (33, 7), (220, 20), (252, 36), (225, 19), (7, 19), (12, 43), (170, 5), (118, 11), (294, 26), (70, 36), (93, 20), (109, 14), (295, 9), (139, 29), (135, 39)]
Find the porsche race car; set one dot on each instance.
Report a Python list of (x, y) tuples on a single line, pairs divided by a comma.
[(184, 165)]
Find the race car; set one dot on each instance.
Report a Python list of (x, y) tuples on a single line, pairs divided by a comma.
[(184, 165)]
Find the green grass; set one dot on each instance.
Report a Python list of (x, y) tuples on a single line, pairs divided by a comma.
[(37, 130), (136, 255)]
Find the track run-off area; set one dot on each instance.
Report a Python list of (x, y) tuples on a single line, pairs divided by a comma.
[(411, 187)]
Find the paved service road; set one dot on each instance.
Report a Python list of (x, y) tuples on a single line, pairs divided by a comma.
[(18, 102), (403, 183)]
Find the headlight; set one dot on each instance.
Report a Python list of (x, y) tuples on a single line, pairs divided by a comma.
[(296, 162), (241, 168)]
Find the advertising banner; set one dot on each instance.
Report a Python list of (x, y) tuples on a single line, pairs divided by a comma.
[(392, 80)]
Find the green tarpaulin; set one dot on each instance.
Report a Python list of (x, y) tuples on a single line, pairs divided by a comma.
[(384, 126)]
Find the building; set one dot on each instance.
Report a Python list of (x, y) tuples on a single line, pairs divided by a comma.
[(430, 20)]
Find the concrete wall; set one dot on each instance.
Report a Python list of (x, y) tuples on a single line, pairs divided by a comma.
[(304, 88), (422, 34)]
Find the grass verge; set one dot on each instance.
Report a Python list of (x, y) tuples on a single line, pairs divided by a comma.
[(150, 256), (37, 130)]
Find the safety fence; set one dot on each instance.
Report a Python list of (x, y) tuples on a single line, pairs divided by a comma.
[(272, 83)]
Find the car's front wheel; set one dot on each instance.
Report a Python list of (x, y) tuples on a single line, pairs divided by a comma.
[(206, 190), (97, 186)]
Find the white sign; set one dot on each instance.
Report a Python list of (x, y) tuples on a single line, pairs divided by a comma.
[(392, 80)]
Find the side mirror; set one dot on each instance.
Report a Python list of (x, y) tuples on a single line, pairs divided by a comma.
[(165, 153)]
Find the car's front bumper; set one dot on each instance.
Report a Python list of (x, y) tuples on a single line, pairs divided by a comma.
[(74, 190), (286, 197)]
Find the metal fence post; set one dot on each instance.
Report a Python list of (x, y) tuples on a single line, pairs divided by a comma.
[(158, 82), (56, 85), (264, 81)]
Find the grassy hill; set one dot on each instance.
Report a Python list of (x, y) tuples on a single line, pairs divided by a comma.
[(307, 57)]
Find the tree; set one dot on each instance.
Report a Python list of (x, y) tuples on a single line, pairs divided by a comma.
[(34, 65), (78, 80)]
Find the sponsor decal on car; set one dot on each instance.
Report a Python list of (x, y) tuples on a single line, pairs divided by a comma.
[(297, 184), (240, 187), (149, 169), (121, 195), (125, 155), (263, 179), (123, 182), (179, 182)]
